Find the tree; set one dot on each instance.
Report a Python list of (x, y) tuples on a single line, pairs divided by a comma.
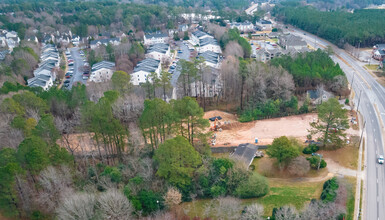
[(187, 112), (299, 166), (114, 205), (121, 82), (173, 197), (177, 160), (165, 82), (333, 120), (33, 154), (286, 213), (253, 212), (77, 206), (255, 186), (283, 150)]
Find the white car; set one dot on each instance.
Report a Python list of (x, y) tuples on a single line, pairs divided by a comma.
[(380, 159)]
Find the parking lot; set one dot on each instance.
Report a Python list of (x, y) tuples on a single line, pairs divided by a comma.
[(75, 68), (185, 55)]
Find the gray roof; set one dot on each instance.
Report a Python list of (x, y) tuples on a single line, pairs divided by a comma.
[(210, 56), (156, 35), (199, 34), (246, 152), (160, 48), (3, 54), (207, 41), (147, 65), (292, 40), (104, 41), (103, 64), (265, 21)]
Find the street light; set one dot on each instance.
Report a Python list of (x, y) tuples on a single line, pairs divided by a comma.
[(157, 201)]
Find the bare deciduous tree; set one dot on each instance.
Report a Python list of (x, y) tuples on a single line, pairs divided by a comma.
[(233, 49), (173, 197), (79, 206), (114, 205), (55, 183), (224, 208), (286, 213), (299, 166), (318, 210), (253, 212)]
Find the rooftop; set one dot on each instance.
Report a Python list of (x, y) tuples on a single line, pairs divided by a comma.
[(103, 64), (207, 41), (147, 65), (245, 152), (160, 48), (156, 35)]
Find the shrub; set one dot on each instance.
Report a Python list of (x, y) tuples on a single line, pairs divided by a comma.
[(217, 191), (114, 173), (255, 186), (346, 101), (312, 148), (329, 192), (315, 161)]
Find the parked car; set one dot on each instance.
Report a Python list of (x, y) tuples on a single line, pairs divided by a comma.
[(67, 81), (85, 77), (66, 85), (68, 76)]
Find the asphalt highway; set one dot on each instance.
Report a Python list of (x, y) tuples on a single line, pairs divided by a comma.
[(370, 99)]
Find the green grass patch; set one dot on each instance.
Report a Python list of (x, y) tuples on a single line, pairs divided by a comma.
[(371, 67), (281, 193), (351, 198), (220, 155)]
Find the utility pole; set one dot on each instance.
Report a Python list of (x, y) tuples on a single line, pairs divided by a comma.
[(319, 163), (359, 99), (362, 133)]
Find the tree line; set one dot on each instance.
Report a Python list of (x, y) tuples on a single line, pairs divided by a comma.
[(360, 28)]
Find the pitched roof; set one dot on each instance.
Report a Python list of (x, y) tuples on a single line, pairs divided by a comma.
[(103, 64), (160, 48), (292, 40), (104, 41), (207, 41), (210, 56), (246, 152), (147, 65), (155, 35), (200, 34)]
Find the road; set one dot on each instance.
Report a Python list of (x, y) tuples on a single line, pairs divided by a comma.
[(78, 63), (185, 55), (370, 99)]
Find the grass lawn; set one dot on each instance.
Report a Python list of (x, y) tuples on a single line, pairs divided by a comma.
[(346, 156), (221, 155), (266, 167), (351, 198), (281, 193), (288, 193), (371, 67)]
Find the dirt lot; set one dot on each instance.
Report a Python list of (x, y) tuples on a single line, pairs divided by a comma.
[(236, 133)]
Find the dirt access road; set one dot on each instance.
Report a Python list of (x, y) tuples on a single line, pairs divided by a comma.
[(234, 133)]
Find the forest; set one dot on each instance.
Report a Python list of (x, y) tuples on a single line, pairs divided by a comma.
[(361, 28), (44, 174)]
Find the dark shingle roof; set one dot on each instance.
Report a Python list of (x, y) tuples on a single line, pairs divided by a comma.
[(246, 152), (147, 65), (160, 48), (156, 35), (207, 41)]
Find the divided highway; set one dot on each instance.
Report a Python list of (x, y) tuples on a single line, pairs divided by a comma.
[(372, 108)]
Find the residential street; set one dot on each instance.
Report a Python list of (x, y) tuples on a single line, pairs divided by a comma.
[(185, 55), (372, 108), (78, 63)]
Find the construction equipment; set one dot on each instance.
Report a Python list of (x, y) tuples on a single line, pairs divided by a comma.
[(215, 126)]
